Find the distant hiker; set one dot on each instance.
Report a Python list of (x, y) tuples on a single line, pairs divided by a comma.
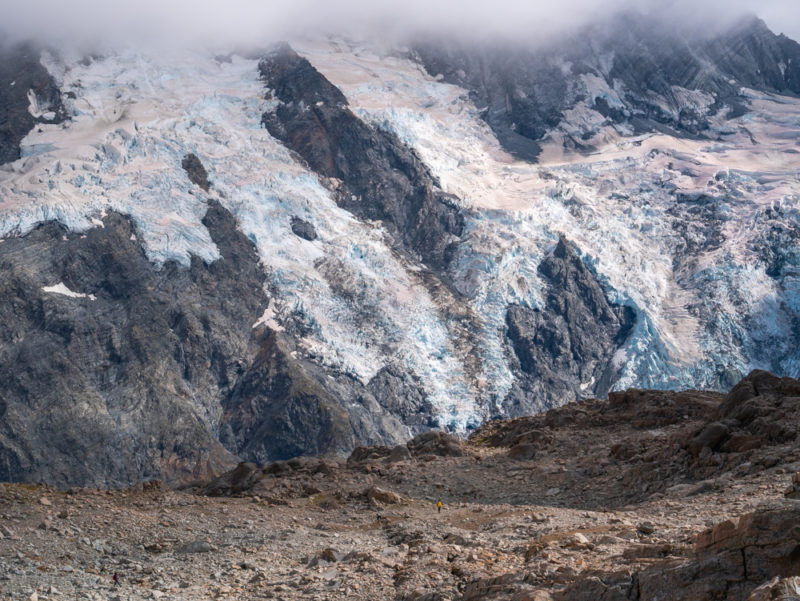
[(439, 506), (115, 578), (379, 517)]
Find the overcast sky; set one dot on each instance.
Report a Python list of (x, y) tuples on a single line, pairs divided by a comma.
[(252, 21)]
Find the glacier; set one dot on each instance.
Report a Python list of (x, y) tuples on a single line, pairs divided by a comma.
[(619, 205), (673, 228), (133, 119)]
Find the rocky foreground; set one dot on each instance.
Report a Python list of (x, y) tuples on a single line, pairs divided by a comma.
[(650, 495)]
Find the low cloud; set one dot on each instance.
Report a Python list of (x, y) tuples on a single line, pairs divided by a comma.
[(254, 22)]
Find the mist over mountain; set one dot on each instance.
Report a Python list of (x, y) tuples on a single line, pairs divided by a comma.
[(214, 253), (248, 22)]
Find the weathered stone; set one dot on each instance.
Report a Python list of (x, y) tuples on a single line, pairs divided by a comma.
[(569, 341), (777, 589), (364, 454), (711, 437), (435, 443), (304, 229), (237, 480), (380, 495), (646, 528), (196, 171), (198, 546), (399, 453), (522, 452)]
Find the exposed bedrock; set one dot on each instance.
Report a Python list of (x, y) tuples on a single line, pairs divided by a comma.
[(565, 349), (115, 375), (28, 95), (381, 178), (732, 560), (122, 371)]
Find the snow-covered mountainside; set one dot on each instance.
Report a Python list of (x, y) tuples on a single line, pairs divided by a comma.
[(210, 256)]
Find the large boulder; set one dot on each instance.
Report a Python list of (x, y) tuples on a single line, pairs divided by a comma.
[(758, 383), (435, 443), (239, 479)]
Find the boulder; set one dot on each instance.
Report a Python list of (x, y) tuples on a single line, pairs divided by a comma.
[(522, 452), (278, 468), (435, 443), (399, 453), (197, 546), (711, 436), (366, 454), (239, 479), (303, 229), (380, 495)]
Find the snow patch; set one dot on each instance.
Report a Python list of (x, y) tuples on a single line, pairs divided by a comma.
[(62, 289), (268, 319)]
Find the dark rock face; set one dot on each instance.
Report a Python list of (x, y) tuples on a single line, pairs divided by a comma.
[(525, 93), (159, 372), (402, 394), (284, 406), (381, 178), (21, 72), (196, 171), (279, 410), (235, 481), (123, 386), (571, 341), (304, 229)]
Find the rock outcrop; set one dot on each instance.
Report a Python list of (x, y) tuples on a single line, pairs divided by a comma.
[(116, 371), (196, 171), (566, 349), (111, 374), (380, 178), (733, 559), (28, 95)]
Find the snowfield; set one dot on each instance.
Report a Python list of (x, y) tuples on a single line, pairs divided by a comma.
[(620, 205), (134, 118), (673, 228)]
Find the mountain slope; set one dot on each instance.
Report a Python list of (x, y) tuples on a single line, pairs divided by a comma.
[(322, 245), (633, 74)]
